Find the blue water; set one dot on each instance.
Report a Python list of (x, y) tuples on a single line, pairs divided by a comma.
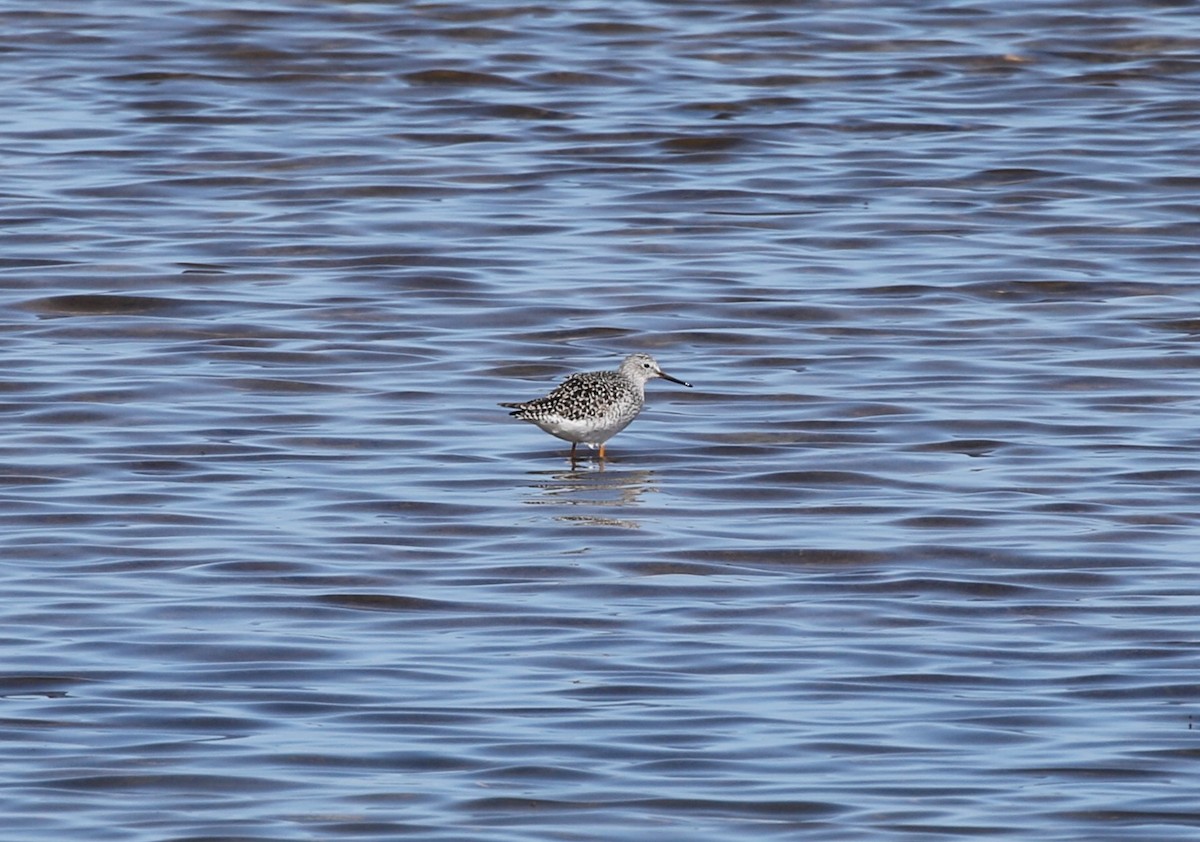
[(914, 560)]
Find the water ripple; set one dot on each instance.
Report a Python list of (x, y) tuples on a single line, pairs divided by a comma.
[(912, 560)]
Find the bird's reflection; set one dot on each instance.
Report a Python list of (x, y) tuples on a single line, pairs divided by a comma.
[(593, 486)]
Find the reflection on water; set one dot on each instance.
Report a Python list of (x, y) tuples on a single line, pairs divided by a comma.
[(597, 487), (913, 560)]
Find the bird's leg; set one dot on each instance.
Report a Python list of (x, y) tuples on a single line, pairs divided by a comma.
[(601, 451), (574, 444)]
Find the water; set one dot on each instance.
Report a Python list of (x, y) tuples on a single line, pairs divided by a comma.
[(914, 560)]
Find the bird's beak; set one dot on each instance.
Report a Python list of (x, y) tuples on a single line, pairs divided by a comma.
[(666, 376)]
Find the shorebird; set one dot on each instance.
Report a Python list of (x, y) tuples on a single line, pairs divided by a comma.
[(592, 407)]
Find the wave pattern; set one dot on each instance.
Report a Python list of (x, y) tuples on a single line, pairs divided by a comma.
[(914, 560)]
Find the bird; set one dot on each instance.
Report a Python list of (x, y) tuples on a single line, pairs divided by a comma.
[(593, 406)]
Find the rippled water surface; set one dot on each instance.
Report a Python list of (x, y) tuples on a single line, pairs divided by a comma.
[(915, 559)]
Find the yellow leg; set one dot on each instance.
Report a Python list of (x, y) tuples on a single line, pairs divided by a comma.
[(601, 451)]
